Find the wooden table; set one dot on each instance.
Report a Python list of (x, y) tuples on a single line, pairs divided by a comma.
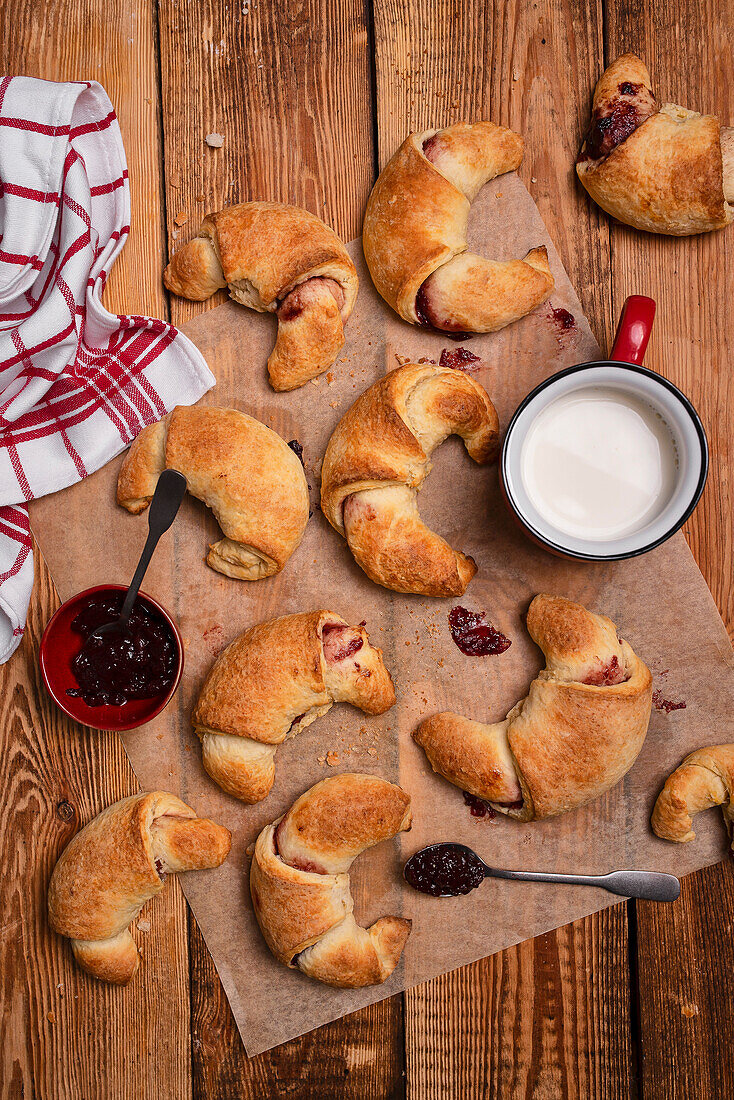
[(312, 97)]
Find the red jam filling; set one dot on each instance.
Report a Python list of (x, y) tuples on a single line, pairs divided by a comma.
[(444, 870), (139, 662), (458, 359), (428, 317), (474, 635), (478, 807), (613, 122), (297, 449), (607, 675), (336, 649)]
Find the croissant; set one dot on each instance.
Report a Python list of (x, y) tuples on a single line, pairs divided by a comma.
[(704, 779), (115, 864), (415, 233), (275, 259), (663, 169), (250, 478), (299, 881), (578, 731), (377, 459), (272, 682)]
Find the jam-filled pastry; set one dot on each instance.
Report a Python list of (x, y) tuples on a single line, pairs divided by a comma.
[(249, 477), (577, 732), (657, 167), (115, 864), (377, 459), (415, 233), (704, 779), (299, 881), (273, 681), (275, 259)]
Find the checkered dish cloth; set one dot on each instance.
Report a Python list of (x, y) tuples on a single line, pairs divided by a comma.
[(77, 383)]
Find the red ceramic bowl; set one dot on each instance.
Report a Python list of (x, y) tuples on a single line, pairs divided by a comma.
[(60, 644)]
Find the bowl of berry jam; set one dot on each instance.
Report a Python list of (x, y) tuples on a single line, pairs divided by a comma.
[(117, 680)]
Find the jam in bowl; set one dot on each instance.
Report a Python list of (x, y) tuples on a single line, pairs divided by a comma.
[(117, 680)]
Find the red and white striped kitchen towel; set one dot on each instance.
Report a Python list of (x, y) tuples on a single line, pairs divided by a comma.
[(77, 383)]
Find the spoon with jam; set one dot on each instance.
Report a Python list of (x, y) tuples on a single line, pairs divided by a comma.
[(447, 870), (128, 652)]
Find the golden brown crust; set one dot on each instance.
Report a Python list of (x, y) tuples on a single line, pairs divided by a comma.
[(241, 469), (115, 864), (704, 779), (666, 176), (306, 915), (573, 737), (377, 458), (273, 681), (416, 222), (261, 251)]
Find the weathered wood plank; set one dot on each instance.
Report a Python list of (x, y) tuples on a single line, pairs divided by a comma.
[(288, 88), (62, 1034), (683, 950), (552, 1017)]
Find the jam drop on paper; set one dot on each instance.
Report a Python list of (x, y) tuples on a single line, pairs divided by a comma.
[(474, 635), (459, 359), (665, 705)]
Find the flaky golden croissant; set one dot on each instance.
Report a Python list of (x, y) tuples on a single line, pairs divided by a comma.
[(377, 459), (273, 681), (663, 169), (704, 779), (115, 864), (250, 478), (415, 233), (299, 881), (275, 259), (578, 731)]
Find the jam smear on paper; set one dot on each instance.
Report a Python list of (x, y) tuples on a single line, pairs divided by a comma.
[(474, 635)]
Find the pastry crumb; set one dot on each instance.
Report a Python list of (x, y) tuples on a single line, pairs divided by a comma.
[(332, 758), (143, 926), (214, 141), (181, 218), (315, 381), (689, 1010), (402, 359), (250, 849), (515, 74), (371, 751)]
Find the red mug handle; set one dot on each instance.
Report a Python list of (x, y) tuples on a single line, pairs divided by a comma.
[(633, 330)]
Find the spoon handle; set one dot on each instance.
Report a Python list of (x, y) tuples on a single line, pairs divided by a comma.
[(169, 492), (651, 885)]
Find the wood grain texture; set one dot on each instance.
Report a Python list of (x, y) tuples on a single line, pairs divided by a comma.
[(288, 88), (684, 950), (62, 1035), (550, 1018)]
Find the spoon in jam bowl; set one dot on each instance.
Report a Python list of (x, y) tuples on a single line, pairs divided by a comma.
[(169, 492), (447, 870)]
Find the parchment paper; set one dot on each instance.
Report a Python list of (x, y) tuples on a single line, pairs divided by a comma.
[(660, 603)]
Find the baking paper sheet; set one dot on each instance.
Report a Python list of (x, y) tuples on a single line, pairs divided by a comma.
[(660, 603)]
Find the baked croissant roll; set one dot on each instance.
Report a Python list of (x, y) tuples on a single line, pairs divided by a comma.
[(415, 233), (241, 469), (115, 864), (577, 732), (656, 167), (704, 779), (275, 259), (377, 459), (299, 881), (273, 681)]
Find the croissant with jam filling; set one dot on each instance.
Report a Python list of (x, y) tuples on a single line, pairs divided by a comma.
[(277, 259), (577, 732), (415, 233), (659, 168), (273, 681), (299, 881)]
